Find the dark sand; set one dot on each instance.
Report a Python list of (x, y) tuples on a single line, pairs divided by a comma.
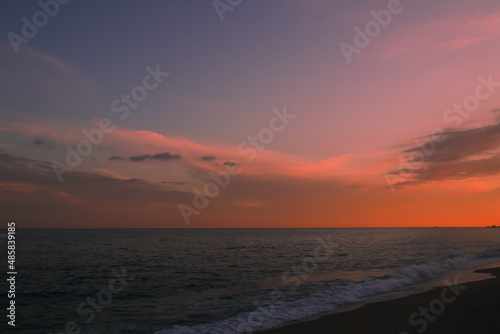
[(475, 311)]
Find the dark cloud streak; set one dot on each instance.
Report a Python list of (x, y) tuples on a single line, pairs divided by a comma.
[(137, 158), (463, 154), (166, 156), (140, 158)]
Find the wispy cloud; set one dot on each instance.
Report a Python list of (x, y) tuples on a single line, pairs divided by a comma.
[(458, 30)]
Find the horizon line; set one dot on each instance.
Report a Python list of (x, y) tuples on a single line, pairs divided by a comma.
[(235, 228)]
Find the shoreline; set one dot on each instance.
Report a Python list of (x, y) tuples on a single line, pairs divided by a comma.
[(460, 308)]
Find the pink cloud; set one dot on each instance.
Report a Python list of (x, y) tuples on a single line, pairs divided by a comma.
[(450, 33), (50, 61), (19, 187), (58, 131), (45, 78), (127, 142)]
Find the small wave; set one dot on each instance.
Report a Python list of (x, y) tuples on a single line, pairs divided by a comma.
[(328, 300)]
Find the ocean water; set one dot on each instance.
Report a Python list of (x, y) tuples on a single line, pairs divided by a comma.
[(223, 280)]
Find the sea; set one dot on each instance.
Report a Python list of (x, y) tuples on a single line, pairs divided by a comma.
[(184, 281)]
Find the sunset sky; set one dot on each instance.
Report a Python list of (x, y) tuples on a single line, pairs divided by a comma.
[(404, 133)]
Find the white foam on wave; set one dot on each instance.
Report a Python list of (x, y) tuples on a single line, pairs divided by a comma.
[(329, 300)]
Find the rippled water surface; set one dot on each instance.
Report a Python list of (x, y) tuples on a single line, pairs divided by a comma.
[(223, 281)]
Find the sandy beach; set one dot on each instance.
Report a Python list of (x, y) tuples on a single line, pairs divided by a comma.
[(470, 308)]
